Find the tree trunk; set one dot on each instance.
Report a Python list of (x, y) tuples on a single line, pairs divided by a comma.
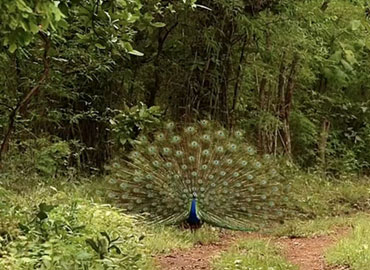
[(325, 127)]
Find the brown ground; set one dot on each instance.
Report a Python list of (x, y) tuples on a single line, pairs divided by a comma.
[(307, 253)]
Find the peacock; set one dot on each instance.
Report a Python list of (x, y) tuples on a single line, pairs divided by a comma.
[(200, 173)]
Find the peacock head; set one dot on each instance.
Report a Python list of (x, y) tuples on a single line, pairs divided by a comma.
[(194, 195)]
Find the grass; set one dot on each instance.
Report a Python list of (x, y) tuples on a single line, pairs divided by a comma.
[(163, 239), (252, 254), (353, 251)]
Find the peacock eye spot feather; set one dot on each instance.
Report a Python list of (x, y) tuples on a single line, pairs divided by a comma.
[(194, 144), (188, 182), (219, 149), (220, 134), (194, 174), (179, 153), (205, 152), (251, 189), (250, 150), (166, 151), (190, 130), (216, 162), (222, 173), (191, 158), (168, 164), (236, 174), (229, 161), (206, 137), (152, 150), (160, 137), (112, 195), (112, 181), (250, 177), (238, 133), (184, 167), (204, 167), (156, 163), (211, 177), (258, 165), (244, 163), (204, 123), (263, 182), (170, 125)]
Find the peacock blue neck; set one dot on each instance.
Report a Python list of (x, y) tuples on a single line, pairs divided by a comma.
[(193, 217)]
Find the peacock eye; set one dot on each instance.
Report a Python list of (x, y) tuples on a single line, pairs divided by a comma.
[(112, 195), (175, 139), (204, 167), (204, 123), (239, 134), (236, 174), (156, 163), (220, 134), (258, 165), (263, 182), (194, 174), (244, 163), (222, 173), (250, 150), (112, 181), (220, 149), (229, 161), (170, 125), (205, 152), (191, 159), (211, 176), (216, 162), (168, 164), (160, 137), (232, 147), (190, 130), (251, 189), (152, 150), (206, 137), (166, 150), (179, 153), (250, 177), (194, 144), (184, 167)]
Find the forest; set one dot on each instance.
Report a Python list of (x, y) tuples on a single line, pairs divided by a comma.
[(192, 134)]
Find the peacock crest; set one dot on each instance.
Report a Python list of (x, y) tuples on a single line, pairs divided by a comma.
[(200, 173)]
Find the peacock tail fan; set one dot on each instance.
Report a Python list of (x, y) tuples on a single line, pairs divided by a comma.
[(234, 187)]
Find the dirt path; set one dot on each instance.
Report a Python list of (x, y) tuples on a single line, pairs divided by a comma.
[(307, 253), (196, 258)]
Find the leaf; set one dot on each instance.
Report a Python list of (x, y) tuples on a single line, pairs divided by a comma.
[(92, 244), (99, 46), (135, 52), (158, 24), (13, 47), (355, 24)]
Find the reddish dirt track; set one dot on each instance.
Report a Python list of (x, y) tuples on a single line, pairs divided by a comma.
[(306, 253)]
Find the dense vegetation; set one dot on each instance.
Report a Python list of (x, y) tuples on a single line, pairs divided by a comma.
[(81, 79)]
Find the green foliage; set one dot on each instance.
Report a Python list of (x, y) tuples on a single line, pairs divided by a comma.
[(252, 254), (129, 122)]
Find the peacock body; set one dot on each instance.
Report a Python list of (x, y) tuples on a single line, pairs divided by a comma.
[(200, 173)]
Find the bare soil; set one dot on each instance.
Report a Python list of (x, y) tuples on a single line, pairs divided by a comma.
[(306, 253)]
